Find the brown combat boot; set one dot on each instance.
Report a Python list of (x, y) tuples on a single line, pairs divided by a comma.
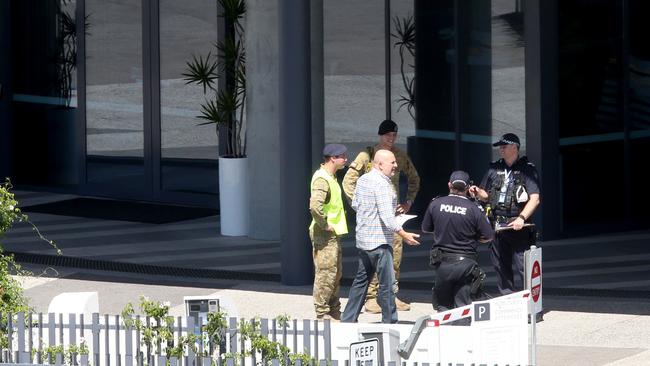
[(401, 305), (336, 315), (327, 317), (372, 307)]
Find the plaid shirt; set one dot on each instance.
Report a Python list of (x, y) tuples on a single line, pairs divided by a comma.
[(375, 201)]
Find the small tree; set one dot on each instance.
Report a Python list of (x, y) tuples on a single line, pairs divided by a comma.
[(224, 107)]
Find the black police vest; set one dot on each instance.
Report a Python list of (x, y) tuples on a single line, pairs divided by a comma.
[(507, 206)]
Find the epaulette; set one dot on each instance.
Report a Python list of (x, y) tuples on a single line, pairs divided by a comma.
[(496, 163), (524, 159)]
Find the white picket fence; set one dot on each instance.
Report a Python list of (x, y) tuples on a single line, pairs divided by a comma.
[(110, 343)]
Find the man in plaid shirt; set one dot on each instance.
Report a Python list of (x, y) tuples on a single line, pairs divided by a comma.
[(375, 202)]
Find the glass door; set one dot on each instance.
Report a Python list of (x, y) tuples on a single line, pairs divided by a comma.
[(114, 100), (188, 149), (142, 138)]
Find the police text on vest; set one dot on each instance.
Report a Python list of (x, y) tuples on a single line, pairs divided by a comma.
[(453, 209)]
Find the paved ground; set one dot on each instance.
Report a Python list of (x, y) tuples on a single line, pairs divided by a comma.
[(597, 298), (611, 265), (576, 330)]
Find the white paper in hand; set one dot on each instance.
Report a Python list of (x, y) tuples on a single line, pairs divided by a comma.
[(401, 219)]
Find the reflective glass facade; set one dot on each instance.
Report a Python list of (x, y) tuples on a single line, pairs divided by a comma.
[(122, 123), (603, 113)]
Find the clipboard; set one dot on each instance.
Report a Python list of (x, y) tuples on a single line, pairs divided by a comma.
[(505, 227), (403, 218)]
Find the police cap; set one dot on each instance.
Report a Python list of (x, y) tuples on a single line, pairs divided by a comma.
[(334, 150), (508, 139), (459, 179)]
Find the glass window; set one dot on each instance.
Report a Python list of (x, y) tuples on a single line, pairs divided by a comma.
[(44, 81), (402, 53), (435, 49), (114, 112), (354, 68), (638, 71), (492, 95), (591, 115), (189, 150)]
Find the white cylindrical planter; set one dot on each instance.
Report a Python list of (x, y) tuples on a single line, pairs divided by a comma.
[(233, 196)]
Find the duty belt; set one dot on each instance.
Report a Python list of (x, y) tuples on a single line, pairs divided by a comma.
[(449, 257), (437, 255)]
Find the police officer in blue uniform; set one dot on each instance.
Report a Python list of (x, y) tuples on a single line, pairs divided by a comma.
[(458, 225), (511, 190)]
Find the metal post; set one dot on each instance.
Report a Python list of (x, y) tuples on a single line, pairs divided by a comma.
[(387, 57), (295, 140)]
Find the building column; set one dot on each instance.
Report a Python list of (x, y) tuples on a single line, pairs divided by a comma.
[(263, 121), (317, 83), (295, 140), (542, 137)]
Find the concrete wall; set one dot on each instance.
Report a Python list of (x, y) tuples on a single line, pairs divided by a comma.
[(263, 118)]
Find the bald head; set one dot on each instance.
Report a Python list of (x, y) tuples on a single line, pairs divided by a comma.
[(385, 162)]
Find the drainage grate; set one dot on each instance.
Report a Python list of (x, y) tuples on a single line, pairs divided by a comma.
[(102, 265)]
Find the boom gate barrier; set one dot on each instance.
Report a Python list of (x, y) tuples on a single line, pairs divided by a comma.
[(499, 334), (503, 329)]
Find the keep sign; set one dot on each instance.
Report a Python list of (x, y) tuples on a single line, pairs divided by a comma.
[(366, 350)]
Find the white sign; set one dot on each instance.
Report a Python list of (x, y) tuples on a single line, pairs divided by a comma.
[(366, 350), (500, 331)]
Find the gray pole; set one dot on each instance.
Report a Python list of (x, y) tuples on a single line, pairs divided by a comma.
[(542, 134), (317, 83), (387, 58), (295, 140)]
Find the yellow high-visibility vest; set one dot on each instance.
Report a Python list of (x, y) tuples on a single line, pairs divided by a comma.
[(334, 208)]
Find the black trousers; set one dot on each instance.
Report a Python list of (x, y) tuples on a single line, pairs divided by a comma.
[(507, 250), (452, 283)]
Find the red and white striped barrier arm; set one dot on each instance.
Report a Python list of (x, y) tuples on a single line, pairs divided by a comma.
[(448, 316)]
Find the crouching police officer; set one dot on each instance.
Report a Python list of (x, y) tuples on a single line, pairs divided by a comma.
[(458, 225), (511, 190)]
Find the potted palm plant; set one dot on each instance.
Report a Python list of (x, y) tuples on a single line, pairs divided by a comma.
[(224, 106)]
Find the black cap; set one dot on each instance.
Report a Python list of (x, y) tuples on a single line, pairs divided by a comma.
[(387, 126), (459, 179), (334, 150), (508, 139)]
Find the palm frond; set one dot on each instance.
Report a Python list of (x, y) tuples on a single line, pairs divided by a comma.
[(404, 31), (233, 10), (210, 113), (201, 71)]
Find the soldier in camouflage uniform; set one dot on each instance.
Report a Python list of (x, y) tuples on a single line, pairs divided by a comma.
[(327, 226), (361, 165)]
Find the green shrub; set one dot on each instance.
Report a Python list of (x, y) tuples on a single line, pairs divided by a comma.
[(12, 299)]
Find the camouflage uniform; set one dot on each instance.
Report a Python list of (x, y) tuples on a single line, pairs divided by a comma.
[(327, 254), (362, 164)]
